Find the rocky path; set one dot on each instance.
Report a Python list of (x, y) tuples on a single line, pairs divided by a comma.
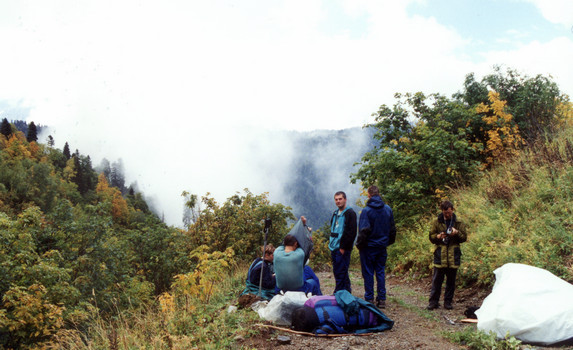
[(414, 326)]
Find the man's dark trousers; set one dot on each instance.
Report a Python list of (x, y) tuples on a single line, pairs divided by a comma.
[(340, 265), (373, 260), (438, 279)]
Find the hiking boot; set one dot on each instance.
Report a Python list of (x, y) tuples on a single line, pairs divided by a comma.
[(432, 306), (448, 305), (381, 304)]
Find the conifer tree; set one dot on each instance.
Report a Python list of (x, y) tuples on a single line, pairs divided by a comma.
[(5, 128), (90, 174), (32, 133), (51, 141), (78, 179), (67, 153), (117, 176), (105, 168)]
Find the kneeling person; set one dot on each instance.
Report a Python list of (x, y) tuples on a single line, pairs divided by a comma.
[(253, 282), (291, 272)]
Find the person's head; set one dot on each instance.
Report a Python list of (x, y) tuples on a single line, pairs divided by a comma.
[(290, 241), (340, 200), (373, 191), (269, 252), (447, 209)]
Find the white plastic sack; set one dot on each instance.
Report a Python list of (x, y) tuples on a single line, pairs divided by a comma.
[(530, 303), (279, 310)]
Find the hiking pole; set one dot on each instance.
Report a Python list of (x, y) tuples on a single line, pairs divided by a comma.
[(268, 223)]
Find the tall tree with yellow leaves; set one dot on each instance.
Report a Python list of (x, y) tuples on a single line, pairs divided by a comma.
[(503, 139), (119, 208)]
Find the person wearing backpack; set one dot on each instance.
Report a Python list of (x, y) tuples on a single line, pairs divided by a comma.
[(376, 231), (447, 233), (342, 235)]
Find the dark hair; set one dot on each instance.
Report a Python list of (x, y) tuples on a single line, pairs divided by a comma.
[(373, 191), (289, 240), (305, 319), (340, 193), (446, 205)]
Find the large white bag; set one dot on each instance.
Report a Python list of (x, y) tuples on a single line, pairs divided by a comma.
[(281, 307), (530, 303)]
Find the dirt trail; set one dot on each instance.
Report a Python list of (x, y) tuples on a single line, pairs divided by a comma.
[(414, 326)]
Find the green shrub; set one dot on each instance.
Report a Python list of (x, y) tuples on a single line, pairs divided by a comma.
[(478, 340)]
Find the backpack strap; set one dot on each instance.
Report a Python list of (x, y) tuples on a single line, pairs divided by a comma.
[(332, 217)]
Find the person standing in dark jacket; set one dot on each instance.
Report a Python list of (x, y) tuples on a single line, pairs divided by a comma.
[(342, 235), (447, 233), (376, 231)]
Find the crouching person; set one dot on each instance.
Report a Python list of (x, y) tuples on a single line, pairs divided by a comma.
[(291, 272), (268, 284)]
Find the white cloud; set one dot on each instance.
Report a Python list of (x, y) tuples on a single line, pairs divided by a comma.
[(540, 58), (556, 11)]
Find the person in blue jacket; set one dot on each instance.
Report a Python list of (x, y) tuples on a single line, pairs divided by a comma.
[(253, 281), (376, 231), (342, 236)]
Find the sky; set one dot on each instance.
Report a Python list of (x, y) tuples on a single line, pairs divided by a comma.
[(193, 95)]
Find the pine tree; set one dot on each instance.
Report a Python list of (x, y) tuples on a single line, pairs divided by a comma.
[(117, 176), (32, 133), (78, 179), (105, 168), (67, 153), (6, 129), (90, 176), (51, 141)]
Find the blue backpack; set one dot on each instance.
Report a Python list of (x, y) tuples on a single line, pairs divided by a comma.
[(339, 314), (252, 288)]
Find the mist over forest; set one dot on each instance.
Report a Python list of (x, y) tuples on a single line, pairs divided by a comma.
[(320, 164)]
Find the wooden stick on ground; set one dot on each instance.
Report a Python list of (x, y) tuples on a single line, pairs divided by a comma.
[(311, 334), (469, 320)]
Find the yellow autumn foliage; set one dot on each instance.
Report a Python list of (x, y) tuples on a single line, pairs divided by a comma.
[(16, 147), (503, 137), (565, 113), (202, 282), (30, 314), (119, 207)]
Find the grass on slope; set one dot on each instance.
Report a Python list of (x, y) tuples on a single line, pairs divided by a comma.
[(520, 212)]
